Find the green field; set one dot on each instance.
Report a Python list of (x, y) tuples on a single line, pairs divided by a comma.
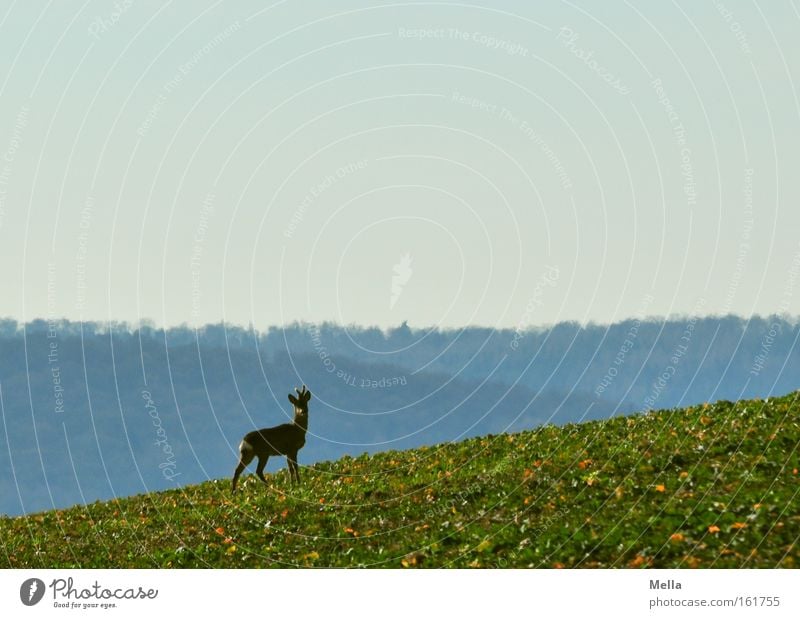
[(714, 485)]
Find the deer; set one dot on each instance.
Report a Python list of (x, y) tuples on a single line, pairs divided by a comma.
[(284, 439)]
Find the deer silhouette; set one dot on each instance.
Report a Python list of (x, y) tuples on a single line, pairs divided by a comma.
[(284, 439)]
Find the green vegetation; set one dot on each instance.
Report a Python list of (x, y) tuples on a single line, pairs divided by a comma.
[(709, 486)]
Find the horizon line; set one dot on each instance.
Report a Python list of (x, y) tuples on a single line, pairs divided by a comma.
[(149, 323)]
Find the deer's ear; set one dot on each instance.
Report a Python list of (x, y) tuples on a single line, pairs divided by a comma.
[(293, 399), (308, 396)]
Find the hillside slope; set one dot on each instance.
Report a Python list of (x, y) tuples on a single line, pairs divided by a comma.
[(709, 486)]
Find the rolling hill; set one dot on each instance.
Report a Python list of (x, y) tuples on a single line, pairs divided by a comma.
[(712, 485)]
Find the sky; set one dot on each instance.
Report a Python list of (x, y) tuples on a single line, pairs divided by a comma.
[(505, 164)]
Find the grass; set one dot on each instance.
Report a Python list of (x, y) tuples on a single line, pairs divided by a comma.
[(707, 486)]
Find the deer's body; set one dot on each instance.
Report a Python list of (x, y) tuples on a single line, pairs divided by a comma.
[(286, 439)]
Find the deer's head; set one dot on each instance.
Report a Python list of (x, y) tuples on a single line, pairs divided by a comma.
[(300, 404)]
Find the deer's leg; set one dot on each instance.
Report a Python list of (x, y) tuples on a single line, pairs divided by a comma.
[(245, 457), (239, 469), (294, 473), (262, 463)]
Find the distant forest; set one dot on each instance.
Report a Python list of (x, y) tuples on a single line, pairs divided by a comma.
[(91, 411)]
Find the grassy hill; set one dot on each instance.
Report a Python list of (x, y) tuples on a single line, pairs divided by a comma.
[(708, 486)]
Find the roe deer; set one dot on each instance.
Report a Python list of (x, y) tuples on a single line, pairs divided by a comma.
[(284, 439)]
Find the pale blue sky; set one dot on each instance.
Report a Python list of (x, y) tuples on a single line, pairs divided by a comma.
[(197, 161)]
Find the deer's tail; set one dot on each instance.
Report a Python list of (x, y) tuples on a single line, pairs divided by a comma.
[(246, 451)]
